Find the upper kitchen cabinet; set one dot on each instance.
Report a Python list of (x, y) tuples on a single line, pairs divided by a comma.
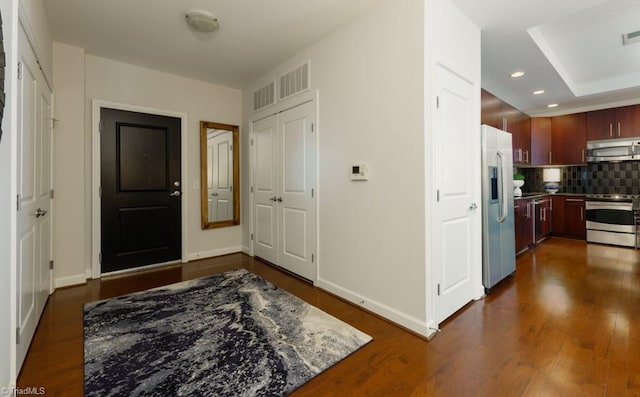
[(501, 115), (541, 141), (491, 113), (521, 132), (622, 122), (569, 139)]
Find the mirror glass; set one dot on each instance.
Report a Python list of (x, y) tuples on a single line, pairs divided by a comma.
[(219, 170)]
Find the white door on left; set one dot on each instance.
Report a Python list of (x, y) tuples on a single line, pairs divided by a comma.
[(34, 197), (457, 228)]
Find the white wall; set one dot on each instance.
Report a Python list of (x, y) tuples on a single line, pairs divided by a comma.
[(374, 79), (119, 82), (7, 200), (369, 75), (69, 143)]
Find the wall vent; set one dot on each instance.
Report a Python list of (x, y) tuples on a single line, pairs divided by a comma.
[(294, 81), (264, 96), (630, 38)]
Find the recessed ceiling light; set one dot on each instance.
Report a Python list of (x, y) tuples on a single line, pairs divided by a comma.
[(517, 74), (538, 92), (553, 105)]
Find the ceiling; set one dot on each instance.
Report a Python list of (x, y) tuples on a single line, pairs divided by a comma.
[(572, 49), (254, 35)]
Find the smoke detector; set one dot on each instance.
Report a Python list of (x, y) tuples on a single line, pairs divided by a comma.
[(630, 38), (202, 21)]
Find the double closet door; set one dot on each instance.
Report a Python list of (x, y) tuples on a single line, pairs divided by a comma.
[(284, 180)]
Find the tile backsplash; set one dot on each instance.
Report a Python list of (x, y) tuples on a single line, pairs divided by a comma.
[(574, 179), (614, 178)]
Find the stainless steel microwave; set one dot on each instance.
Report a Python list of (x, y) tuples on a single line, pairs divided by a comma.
[(613, 150)]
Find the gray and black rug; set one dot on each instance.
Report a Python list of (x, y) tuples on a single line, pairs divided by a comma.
[(231, 334)]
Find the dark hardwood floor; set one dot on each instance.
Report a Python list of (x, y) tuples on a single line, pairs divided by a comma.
[(567, 324)]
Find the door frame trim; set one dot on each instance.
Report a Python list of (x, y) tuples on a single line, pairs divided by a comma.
[(96, 222)]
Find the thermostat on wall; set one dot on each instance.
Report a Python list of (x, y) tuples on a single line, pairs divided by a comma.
[(359, 172)]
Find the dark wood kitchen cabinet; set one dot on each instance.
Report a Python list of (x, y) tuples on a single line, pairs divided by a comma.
[(542, 218), (568, 216), (520, 129), (523, 222), (621, 122), (557, 215), (574, 215), (541, 141), (491, 109), (569, 139), (499, 114)]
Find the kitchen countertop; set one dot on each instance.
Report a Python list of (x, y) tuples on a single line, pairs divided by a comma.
[(535, 195)]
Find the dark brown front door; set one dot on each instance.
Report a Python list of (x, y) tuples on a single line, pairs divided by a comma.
[(141, 189)]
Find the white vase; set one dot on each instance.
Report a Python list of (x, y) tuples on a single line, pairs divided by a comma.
[(517, 184)]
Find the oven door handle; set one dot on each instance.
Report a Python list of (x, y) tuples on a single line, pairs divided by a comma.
[(595, 205)]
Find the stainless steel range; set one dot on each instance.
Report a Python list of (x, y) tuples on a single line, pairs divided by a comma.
[(610, 219)]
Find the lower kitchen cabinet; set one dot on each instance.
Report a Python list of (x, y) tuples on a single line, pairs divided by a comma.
[(568, 216), (574, 215), (523, 220), (542, 218)]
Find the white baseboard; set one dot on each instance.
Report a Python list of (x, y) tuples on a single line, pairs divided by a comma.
[(402, 319), (217, 252), (88, 274), (76, 279), (246, 250)]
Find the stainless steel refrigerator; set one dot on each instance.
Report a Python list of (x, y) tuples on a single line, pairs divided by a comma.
[(498, 237)]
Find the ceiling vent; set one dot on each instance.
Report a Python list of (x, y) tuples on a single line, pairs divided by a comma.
[(631, 38), (264, 96), (294, 81)]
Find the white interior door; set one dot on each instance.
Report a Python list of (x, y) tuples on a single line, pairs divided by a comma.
[(34, 185), (457, 231), (297, 171), (265, 185)]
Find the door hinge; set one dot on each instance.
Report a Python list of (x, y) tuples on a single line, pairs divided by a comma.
[(18, 202), (53, 122), (17, 335), (312, 193), (251, 236), (51, 264), (313, 258), (99, 191), (312, 127), (19, 70), (438, 195), (100, 125), (51, 194), (251, 141), (100, 258), (231, 188), (437, 102), (251, 189), (438, 289), (230, 148)]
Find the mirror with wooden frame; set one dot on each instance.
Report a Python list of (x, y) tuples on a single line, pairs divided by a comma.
[(219, 174)]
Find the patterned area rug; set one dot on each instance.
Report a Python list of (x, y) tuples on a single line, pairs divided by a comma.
[(230, 334)]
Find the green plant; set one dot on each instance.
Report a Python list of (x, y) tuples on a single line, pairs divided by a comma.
[(518, 177)]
